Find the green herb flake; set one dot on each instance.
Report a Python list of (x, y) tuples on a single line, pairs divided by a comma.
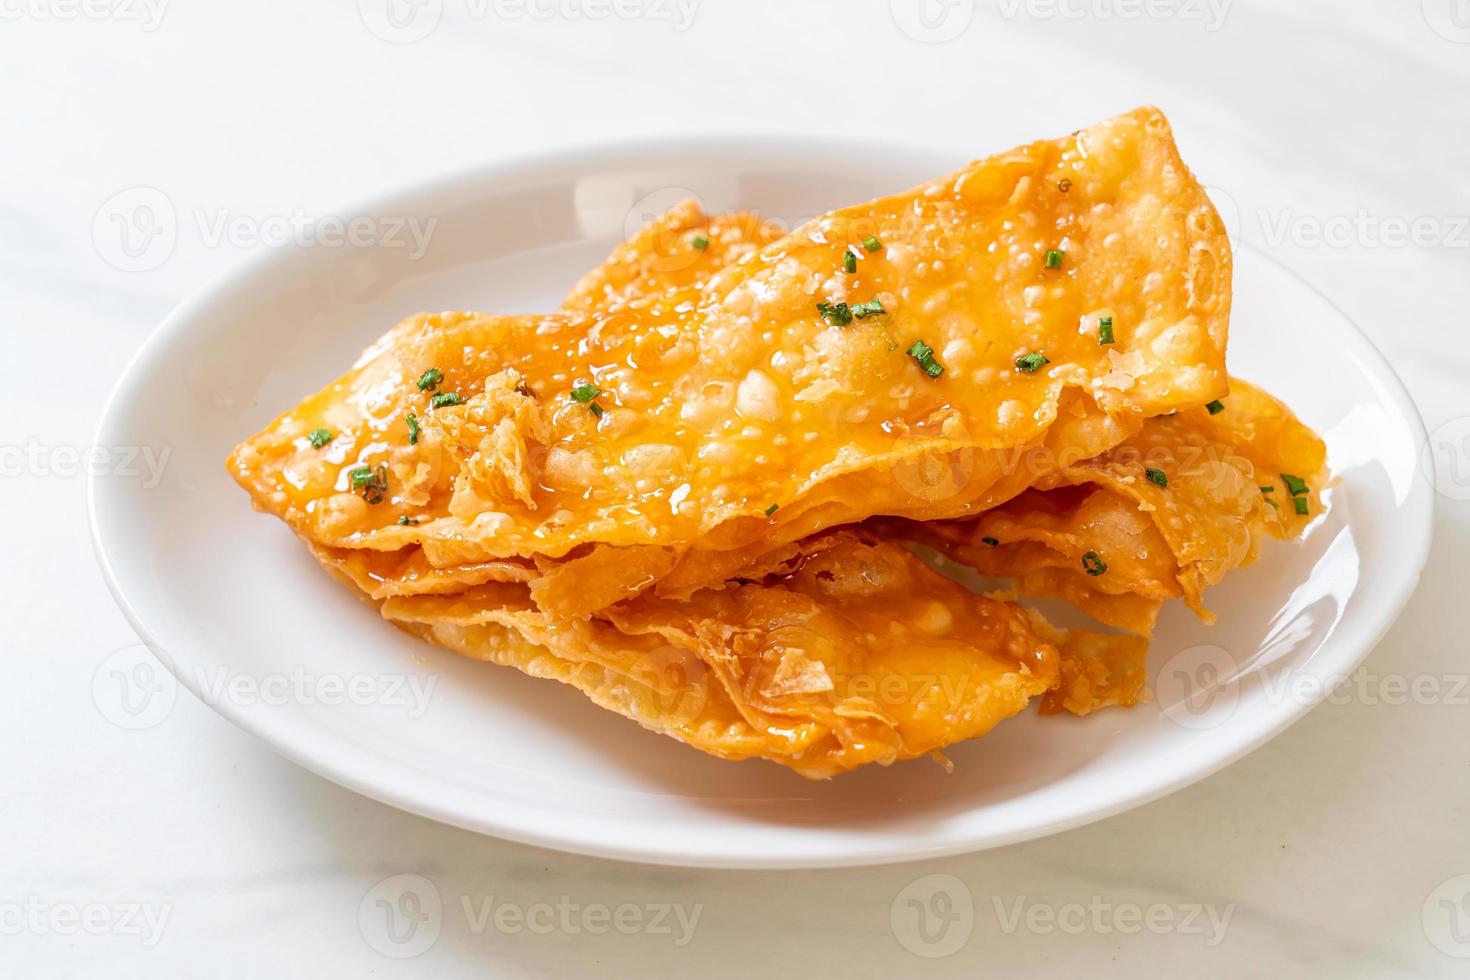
[(1300, 503), (371, 482), (871, 243), (407, 521), (1215, 407), (585, 392), (1157, 476), (924, 355), (772, 509), (849, 260), (319, 438), (1268, 489), (430, 379), (1092, 564), (836, 314), (871, 308), (1031, 363), (1105, 330), (700, 242), (445, 398), (1274, 504), (413, 429), (1054, 258), (595, 409), (1295, 485), (993, 542)]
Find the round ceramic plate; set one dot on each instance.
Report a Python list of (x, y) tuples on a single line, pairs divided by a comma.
[(232, 603)]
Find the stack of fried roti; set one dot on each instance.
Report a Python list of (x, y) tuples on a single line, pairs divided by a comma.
[(694, 493)]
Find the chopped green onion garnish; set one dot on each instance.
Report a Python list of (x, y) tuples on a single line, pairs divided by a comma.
[(1031, 363), (849, 260), (700, 242), (413, 429), (993, 542), (1268, 489), (871, 243), (1274, 505), (1215, 407), (585, 392), (771, 509), (1092, 564), (319, 438), (430, 379), (837, 314), (1295, 484), (595, 409), (1157, 476), (1300, 503), (924, 355), (445, 399), (1054, 258), (373, 483), (871, 308), (406, 520), (1105, 330)]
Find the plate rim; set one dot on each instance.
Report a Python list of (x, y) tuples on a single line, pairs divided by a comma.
[(346, 771)]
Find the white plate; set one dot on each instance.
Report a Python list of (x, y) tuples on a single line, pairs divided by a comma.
[(222, 593)]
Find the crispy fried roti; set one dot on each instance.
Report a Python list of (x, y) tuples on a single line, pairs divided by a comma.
[(717, 402), (1164, 515), (579, 495)]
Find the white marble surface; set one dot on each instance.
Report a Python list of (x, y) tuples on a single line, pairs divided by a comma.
[(1334, 850)]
